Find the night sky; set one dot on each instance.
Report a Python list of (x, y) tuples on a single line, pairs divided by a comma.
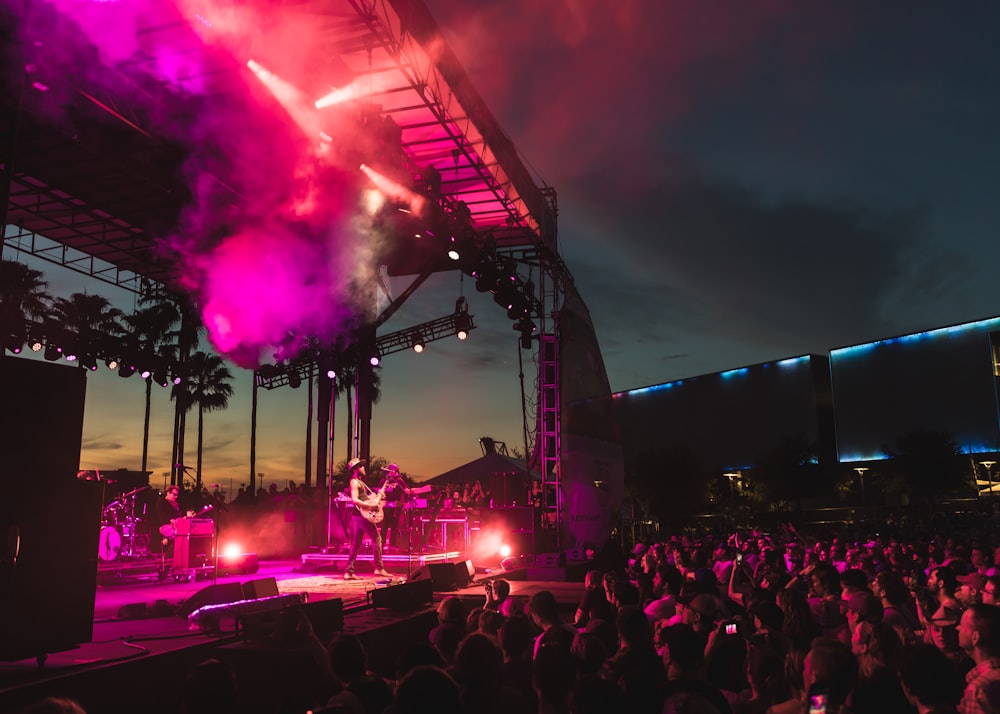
[(737, 182)]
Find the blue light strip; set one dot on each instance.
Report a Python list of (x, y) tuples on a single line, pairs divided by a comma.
[(989, 323)]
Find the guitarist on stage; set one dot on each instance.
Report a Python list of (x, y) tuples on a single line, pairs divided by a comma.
[(364, 521)]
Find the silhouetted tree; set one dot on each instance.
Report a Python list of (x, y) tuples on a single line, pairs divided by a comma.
[(88, 321), (22, 297), (922, 466), (207, 387), (789, 472), (149, 331), (673, 479)]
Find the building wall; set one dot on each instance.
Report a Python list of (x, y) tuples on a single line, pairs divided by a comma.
[(730, 418), (941, 380)]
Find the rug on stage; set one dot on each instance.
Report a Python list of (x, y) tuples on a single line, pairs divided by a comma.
[(334, 584)]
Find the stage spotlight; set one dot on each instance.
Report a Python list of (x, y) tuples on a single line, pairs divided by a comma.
[(125, 370), (505, 551), (294, 380), (418, 342), (518, 308), (332, 374), (111, 362), (160, 376), (375, 360), (527, 329), (89, 361), (463, 323), (52, 352), (485, 274), (145, 372), (506, 293), (36, 346), (14, 340), (453, 249)]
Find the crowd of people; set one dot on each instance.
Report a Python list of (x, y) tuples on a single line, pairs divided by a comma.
[(740, 623)]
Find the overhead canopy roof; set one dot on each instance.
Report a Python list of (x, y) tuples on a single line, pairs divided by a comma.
[(96, 168)]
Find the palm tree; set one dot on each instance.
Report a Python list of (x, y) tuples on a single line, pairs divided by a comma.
[(207, 386), (22, 297), (345, 386), (89, 321), (187, 337), (149, 331)]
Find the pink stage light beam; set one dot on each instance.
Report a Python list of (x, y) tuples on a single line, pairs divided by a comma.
[(292, 99), (395, 190)]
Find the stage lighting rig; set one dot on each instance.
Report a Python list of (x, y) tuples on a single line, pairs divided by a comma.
[(271, 376)]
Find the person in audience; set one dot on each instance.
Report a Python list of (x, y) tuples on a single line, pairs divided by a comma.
[(970, 588), (478, 671), (829, 673), (765, 675), (496, 592), (979, 637), (990, 594), (942, 632), (545, 614), (861, 608), (636, 653), (554, 675), (877, 647), (929, 682), (688, 688), (898, 609), (427, 688), (593, 593), (349, 662), (516, 639)]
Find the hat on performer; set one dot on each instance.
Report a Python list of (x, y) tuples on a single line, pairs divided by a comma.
[(391, 468), (354, 463)]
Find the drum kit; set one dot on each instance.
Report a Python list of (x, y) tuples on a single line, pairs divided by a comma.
[(120, 529)]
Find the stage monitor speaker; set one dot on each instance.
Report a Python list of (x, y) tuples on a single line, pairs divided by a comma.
[(326, 616), (445, 576), (211, 595), (280, 625), (264, 587), (405, 597)]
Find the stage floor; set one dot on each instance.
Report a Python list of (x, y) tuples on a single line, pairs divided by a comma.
[(140, 629)]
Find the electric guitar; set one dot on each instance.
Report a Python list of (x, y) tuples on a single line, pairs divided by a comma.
[(372, 510)]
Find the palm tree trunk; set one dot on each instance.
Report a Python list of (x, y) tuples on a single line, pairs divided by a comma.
[(253, 440), (145, 425), (350, 422), (309, 413), (201, 425)]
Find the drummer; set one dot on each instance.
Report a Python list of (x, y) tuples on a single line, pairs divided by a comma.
[(168, 510)]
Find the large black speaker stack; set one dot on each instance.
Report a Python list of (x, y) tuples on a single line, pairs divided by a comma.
[(50, 520)]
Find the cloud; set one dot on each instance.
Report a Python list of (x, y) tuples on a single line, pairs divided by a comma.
[(101, 442)]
